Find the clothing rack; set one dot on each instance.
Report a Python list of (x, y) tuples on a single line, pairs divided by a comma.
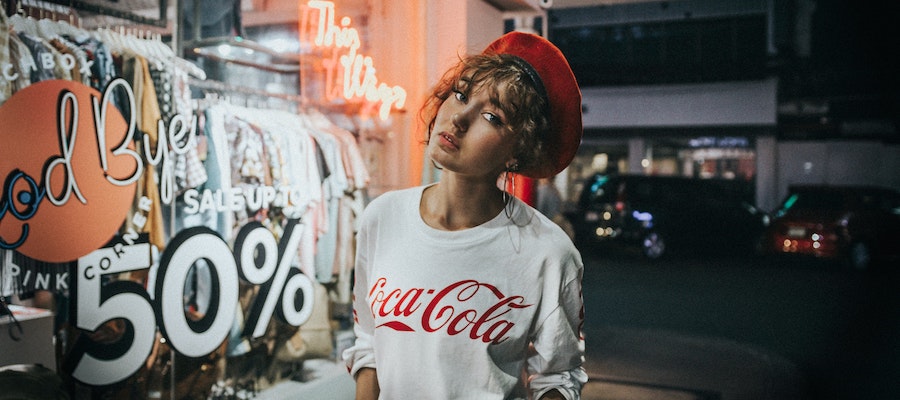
[(238, 41), (221, 87), (28, 7), (278, 68), (206, 48), (79, 5), (160, 22)]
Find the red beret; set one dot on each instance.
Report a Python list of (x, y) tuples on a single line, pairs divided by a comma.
[(563, 96)]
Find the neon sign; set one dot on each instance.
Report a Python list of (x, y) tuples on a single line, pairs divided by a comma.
[(348, 73)]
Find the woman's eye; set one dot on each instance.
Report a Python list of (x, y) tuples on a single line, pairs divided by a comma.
[(460, 96), (493, 119)]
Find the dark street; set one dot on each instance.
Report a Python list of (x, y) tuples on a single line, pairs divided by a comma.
[(838, 326)]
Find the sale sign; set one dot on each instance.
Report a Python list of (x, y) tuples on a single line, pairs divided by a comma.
[(71, 159), (69, 170)]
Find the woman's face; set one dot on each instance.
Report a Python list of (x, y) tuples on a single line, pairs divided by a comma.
[(470, 134)]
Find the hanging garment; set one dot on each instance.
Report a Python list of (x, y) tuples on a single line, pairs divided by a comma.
[(23, 62), (5, 87)]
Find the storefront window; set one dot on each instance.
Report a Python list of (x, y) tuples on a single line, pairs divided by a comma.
[(706, 157)]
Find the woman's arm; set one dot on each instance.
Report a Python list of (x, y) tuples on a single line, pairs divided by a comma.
[(367, 384), (555, 366), (552, 395)]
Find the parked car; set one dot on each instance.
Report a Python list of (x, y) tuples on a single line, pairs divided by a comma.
[(856, 225), (660, 215)]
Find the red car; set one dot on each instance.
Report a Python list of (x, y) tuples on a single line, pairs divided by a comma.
[(858, 225)]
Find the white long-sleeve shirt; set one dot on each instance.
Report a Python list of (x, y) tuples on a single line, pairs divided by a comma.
[(488, 312)]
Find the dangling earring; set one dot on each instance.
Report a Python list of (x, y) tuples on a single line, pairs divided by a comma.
[(507, 203), (503, 193)]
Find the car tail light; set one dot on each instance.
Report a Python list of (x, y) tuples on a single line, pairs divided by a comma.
[(822, 233)]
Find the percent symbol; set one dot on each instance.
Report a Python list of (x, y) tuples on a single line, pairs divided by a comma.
[(269, 264)]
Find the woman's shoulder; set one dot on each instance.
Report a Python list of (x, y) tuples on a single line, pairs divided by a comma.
[(392, 196), (393, 200), (544, 230)]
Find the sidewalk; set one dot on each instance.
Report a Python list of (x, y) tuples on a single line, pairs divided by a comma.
[(323, 379)]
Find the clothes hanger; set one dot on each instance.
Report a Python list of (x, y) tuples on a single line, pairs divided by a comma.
[(22, 21)]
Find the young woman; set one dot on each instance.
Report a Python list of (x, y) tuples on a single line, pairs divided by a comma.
[(463, 291)]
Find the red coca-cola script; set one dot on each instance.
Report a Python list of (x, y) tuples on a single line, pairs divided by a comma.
[(470, 307)]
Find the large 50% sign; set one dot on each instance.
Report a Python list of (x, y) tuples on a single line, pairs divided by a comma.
[(257, 258)]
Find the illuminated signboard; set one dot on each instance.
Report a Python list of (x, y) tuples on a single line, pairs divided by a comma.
[(348, 73)]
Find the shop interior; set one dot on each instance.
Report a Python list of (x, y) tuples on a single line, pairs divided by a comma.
[(264, 87), (718, 155)]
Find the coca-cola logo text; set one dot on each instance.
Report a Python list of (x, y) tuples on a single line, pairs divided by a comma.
[(468, 306)]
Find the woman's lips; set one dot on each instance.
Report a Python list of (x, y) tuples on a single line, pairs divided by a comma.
[(448, 140)]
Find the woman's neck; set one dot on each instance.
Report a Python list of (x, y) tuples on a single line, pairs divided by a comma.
[(452, 204)]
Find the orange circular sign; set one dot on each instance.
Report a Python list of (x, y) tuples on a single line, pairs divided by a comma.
[(58, 202)]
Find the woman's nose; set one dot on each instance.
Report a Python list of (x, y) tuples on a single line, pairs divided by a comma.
[(460, 122)]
